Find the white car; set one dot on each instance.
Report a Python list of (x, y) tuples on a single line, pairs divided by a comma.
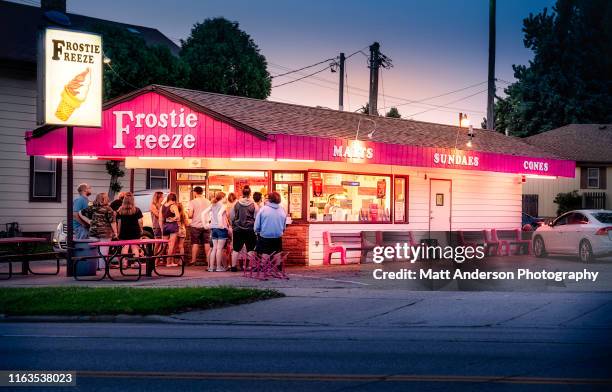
[(586, 233), (142, 200)]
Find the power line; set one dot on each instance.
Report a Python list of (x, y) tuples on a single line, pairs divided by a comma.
[(303, 68), (392, 98), (408, 101), (303, 77), (382, 83), (448, 103), (290, 71), (348, 96), (120, 78)]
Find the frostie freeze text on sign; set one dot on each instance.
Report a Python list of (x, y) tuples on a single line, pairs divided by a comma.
[(174, 119), (74, 52)]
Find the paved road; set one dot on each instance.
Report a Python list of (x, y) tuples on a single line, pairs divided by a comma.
[(563, 346)]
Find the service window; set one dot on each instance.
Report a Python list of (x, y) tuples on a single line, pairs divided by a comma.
[(290, 186), (291, 199), (349, 197)]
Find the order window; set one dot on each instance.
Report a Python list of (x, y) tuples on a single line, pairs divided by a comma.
[(348, 197)]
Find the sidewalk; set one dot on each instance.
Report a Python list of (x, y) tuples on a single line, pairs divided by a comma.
[(357, 276), (388, 309)]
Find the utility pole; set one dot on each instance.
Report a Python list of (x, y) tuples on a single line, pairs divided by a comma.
[(377, 60), (374, 66), (491, 77), (341, 84)]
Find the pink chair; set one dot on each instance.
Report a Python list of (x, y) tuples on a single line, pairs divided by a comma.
[(330, 248)]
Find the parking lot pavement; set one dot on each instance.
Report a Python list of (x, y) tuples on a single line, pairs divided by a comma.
[(359, 276)]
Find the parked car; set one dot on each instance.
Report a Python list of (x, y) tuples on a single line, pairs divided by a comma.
[(586, 233), (531, 220), (142, 200)]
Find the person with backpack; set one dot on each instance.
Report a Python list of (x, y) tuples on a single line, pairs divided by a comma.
[(243, 225)]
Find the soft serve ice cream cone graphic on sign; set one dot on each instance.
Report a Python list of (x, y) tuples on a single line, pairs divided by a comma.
[(73, 95)]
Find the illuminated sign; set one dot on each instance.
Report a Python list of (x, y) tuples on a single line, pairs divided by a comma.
[(455, 159), (174, 119), (356, 150), (535, 165), (70, 78)]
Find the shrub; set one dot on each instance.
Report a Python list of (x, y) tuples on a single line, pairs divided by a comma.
[(568, 201)]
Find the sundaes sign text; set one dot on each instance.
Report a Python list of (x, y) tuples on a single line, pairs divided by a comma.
[(455, 159)]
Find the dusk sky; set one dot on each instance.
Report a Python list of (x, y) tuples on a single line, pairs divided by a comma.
[(437, 46)]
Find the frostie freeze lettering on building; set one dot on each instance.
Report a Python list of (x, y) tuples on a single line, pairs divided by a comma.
[(125, 120)]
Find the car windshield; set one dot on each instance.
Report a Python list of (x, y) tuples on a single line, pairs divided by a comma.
[(603, 217)]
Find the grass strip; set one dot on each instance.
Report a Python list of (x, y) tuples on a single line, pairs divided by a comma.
[(92, 301)]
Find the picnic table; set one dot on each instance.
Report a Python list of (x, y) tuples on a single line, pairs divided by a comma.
[(20, 247), (147, 246)]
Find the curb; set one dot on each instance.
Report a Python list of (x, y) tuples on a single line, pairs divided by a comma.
[(121, 318)]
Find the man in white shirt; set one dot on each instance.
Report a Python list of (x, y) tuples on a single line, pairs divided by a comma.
[(199, 230)]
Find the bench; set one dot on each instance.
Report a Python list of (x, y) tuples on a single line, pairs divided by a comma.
[(391, 238), (478, 238), (507, 238), (25, 260), (343, 242)]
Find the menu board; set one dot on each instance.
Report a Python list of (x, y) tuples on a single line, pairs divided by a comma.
[(381, 189), (295, 202), (184, 194), (317, 187), (240, 183), (400, 211), (334, 189), (367, 191)]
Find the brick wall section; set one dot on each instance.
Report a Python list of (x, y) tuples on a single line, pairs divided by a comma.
[(295, 241)]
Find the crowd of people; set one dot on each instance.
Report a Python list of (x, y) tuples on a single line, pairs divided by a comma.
[(225, 226)]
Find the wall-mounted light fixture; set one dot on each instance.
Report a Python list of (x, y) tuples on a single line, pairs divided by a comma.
[(359, 124)]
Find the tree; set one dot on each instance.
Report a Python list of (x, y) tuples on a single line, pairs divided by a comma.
[(114, 170), (569, 79), (224, 59), (134, 64), (394, 113), (365, 109)]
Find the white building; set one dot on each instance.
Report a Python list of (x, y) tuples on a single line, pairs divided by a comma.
[(33, 188)]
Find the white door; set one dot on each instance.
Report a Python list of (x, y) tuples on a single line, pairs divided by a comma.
[(440, 205)]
